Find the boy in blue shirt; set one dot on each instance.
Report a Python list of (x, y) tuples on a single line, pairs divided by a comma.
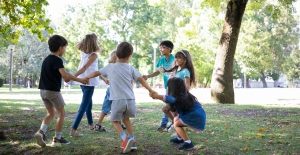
[(166, 62)]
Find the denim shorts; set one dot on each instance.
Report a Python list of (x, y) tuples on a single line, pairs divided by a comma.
[(106, 106)]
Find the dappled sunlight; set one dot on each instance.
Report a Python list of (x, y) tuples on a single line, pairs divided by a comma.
[(24, 108)]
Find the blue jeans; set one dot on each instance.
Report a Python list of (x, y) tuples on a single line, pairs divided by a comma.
[(164, 120), (85, 106), (106, 106)]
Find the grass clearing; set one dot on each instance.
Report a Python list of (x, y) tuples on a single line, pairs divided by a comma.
[(230, 129)]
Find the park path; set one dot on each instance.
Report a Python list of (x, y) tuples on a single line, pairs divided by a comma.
[(285, 97)]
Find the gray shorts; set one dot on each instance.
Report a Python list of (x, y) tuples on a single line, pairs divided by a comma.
[(122, 109), (52, 98)]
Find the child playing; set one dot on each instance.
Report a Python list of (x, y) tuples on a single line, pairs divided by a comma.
[(123, 107), (184, 69), (106, 106), (88, 64), (166, 62), (50, 83), (190, 111)]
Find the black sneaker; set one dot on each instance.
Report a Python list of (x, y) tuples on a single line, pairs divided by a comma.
[(99, 128), (40, 138), (162, 127), (58, 142), (123, 126), (176, 140), (186, 146)]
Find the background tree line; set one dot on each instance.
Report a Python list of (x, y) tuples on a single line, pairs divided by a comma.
[(266, 42)]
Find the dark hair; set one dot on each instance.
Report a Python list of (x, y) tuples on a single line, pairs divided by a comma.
[(124, 50), (188, 64), (177, 89), (168, 44), (89, 44), (55, 42)]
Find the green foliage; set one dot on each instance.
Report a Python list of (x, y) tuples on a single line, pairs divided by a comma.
[(27, 56), (265, 48), (27, 14), (292, 66)]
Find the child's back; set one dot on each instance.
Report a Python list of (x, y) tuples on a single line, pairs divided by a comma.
[(120, 78)]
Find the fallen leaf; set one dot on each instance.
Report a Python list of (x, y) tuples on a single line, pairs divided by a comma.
[(261, 129), (226, 127)]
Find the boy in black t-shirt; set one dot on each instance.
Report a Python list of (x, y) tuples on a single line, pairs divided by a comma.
[(52, 73)]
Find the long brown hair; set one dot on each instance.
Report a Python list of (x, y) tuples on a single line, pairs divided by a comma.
[(188, 65), (89, 44)]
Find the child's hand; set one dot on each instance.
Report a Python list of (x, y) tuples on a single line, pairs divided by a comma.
[(106, 81), (85, 81), (153, 94), (67, 80)]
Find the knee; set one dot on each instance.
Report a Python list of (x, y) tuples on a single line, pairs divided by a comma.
[(61, 114)]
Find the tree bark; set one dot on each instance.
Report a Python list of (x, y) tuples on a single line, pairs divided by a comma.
[(222, 78), (263, 79)]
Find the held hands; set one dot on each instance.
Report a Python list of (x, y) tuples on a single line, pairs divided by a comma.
[(67, 80), (85, 81), (106, 81), (153, 94)]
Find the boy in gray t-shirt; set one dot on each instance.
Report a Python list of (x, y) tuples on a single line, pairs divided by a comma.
[(121, 75)]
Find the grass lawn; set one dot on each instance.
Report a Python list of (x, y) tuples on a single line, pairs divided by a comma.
[(230, 129)]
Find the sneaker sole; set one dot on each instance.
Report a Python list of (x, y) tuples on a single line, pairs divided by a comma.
[(58, 144), (128, 146), (39, 140)]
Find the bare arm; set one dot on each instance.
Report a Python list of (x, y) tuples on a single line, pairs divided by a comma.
[(67, 76), (104, 79), (145, 84), (92, 58), (187, 82), (151, 75), (94, 74)]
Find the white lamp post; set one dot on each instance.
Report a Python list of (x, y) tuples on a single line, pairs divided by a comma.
[(11, 66), (154, 45)]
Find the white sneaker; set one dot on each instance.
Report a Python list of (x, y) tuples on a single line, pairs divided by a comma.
[(171, 128), (40, 138), (174, 134)]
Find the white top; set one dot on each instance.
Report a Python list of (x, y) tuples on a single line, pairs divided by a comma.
[(92, 68)]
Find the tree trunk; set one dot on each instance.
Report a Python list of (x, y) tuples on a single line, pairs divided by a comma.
[(222, 78), (248, 83), (263, 79)]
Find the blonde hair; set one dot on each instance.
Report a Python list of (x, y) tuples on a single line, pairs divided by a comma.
[(89, 44), (113, 57)]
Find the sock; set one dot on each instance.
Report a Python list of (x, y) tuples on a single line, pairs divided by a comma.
[(44, 128), (131, 136), (188, 141), (179, 138), (123, 136), (58, 135)]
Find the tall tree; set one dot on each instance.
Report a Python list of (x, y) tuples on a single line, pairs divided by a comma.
[(27, 14), (222, 81)]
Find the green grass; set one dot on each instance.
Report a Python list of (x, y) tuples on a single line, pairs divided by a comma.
[(230, 129)]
